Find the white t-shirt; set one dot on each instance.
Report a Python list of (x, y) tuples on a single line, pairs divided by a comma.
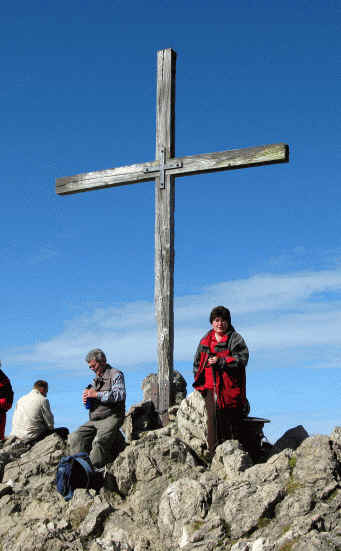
[(32, 416)]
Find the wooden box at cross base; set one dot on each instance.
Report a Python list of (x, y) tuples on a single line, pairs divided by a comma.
[(252, 437)]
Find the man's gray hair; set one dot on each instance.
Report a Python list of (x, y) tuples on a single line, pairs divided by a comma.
[(96, 354)]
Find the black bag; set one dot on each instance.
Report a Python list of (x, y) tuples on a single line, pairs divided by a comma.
[(75, 471)]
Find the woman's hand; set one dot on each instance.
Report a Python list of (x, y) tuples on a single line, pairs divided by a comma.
[(212, 360)]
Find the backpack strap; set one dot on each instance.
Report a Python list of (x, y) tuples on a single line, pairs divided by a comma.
[(87, 468)]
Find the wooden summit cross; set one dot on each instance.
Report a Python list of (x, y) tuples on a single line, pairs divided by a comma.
[(164, 170)]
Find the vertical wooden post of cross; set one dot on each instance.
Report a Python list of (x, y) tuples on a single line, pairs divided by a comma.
[(164, 227), (164, 170)]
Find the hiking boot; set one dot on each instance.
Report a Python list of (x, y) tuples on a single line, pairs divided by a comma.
[(98, 478)]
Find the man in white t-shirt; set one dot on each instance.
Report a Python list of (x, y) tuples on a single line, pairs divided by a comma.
[(32, 418)]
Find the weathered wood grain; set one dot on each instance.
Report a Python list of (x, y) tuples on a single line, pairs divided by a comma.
[(164, 229), (191, 165)]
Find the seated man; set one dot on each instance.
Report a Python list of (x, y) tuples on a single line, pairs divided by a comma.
[(32, 421), (32, 418), (106, 413)]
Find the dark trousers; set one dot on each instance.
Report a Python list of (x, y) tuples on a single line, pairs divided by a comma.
[(2, 424), (222, 424)]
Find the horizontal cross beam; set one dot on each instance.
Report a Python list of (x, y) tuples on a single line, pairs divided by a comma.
[(194, 164)]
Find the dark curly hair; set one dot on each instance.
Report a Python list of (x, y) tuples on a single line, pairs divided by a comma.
[(41, 384), (220, 312)]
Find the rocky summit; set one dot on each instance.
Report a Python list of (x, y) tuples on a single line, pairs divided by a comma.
[(163, 493)]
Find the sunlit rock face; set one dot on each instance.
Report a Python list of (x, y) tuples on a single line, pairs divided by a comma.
[(161, 493)]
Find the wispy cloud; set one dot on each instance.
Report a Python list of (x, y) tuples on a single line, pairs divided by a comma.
[(44, 254), (301, 258), (296, 314)]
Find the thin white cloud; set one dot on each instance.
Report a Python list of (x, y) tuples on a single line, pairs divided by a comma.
[(262, 292), (274, 312), (44, 254)]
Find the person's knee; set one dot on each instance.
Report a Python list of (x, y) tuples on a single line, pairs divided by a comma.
[(104, 439), (108, 433), (75, 439)]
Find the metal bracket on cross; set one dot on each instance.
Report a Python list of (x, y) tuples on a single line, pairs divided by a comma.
[(162, 167)]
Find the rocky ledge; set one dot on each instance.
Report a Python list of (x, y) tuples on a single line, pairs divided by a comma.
[(161, 493)]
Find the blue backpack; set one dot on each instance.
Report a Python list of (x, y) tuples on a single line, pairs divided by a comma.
[(75, 471)]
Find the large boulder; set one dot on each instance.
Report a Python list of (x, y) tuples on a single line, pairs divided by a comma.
[(248, 497), (317, 465), (192, 423), (178, 388), (182, 502), (144, 416), (32, 513), (295, 497), (291, 439), (36, 469), (204, 534), (230, 459), (149, 458), (139, 419), (146, 468)]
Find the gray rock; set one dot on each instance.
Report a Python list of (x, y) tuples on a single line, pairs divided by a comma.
[(140, 418), (124, 527), (247, 505), (203, 534), (335, 441), (249, 499), (316, 464), (178, 389), (149, 458), (291, 439), (294, 504), (145, 470), (259, 544), (116, 539), (78, 507), (160, 497), (192, 423), (40, 460), (183, 501), (94, 520), (172, 413), (144, 416), (121, 534), (230, 459), (336, 435)]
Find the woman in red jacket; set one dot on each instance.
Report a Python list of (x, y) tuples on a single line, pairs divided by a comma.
[(219, 374), (6, 401)]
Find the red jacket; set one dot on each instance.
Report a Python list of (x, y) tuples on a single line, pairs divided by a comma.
[(6, 401), (6, 392), (228, 375)]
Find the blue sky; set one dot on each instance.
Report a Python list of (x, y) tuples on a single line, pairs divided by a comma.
[(78, 94)]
